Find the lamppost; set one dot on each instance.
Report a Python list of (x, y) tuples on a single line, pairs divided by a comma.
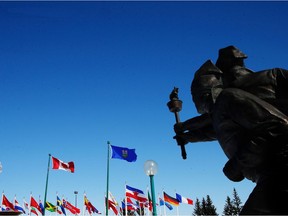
[(151, 168), (75, 192)]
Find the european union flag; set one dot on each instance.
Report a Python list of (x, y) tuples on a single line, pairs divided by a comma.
[(123, 153)]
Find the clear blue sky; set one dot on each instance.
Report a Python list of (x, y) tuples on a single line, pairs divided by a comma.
[(74, 75)]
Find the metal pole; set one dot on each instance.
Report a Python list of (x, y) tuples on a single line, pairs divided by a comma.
[(107, 182), (75, 192), (46, 185), (153, 195)]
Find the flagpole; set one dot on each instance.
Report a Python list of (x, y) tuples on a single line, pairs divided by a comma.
[(160, 205), (107, 182), (2, 199), (56, 203), (30, 203), (46, 184), (84, 209), (177, 211), (126, 208), (164, 203), (148, 211), (177, 207)]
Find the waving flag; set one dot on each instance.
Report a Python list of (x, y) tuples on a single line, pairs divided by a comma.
[(41, 206), (111, 197), (123, 153), (91, 209), (59, 203), (130, 205), (171, 200), (112, 203), (182, 199), (6, 204), (70, 207), (26, 205), (149, 204), (34, 206), (50, 207), (136, 194), (162, 202), (18, 207), (58, 164)]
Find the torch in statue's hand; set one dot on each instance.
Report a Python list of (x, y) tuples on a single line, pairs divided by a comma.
[(175, 106)]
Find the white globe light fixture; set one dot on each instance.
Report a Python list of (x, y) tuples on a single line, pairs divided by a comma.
[(151, 168)]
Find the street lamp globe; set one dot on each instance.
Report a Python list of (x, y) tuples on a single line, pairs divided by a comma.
[(150, 167)]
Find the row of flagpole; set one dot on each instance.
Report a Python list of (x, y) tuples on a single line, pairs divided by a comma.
[(37, 208), (141, 202), (117, 152)]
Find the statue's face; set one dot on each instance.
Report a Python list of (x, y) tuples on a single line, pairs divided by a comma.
[(202, 94)]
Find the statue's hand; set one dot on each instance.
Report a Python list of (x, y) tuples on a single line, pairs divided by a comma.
[(179, 128), (181, 140)]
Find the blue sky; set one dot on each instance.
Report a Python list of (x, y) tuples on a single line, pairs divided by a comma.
[(74, 75)]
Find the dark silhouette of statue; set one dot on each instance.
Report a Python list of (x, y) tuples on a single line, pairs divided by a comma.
[(247, 112)]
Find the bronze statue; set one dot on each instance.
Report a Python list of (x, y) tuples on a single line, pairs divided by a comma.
[(247, 112)]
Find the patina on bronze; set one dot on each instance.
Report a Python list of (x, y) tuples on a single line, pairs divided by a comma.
[(247, 112)]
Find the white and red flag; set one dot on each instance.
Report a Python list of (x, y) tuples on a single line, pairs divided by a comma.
[(70, 207), (58, 164), (112, 203)]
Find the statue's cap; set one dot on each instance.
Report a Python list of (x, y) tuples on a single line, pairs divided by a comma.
[(208, 68), (231, 52)]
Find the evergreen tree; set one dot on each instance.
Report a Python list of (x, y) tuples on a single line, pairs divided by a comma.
[(236, 202), (206, 207), (203, 206), (210, 209), (197, 209), (228, 208)]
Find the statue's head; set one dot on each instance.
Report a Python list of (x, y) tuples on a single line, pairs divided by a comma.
[(207, 78), (229, 57)]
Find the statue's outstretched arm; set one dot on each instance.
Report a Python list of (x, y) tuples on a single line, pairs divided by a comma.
[(196, 129)]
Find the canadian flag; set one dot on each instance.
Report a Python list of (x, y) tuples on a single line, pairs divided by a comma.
[(58, 164)]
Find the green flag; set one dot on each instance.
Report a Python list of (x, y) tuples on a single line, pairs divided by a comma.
[(50, 207)]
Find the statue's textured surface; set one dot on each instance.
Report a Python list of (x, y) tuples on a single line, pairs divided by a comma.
[(247, 112)]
